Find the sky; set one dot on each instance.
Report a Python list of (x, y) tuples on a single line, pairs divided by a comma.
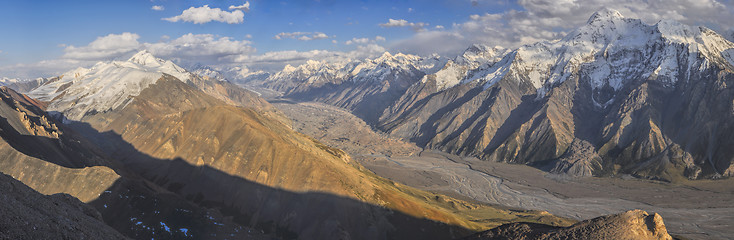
[(47, 38)]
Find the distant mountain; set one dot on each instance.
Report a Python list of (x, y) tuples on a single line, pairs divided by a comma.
[(366, 87), (238, 75), (615, 96), (22, 85), (183, 143)]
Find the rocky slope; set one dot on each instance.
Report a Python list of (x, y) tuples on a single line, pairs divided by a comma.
[(634, 224), (28, 214), (249, 153), (647, 100), (52, 158)]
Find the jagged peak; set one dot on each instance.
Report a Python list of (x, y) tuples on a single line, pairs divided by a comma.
[(476, 48), (677, 31), (605, 14), (145, 58), (386, 55)]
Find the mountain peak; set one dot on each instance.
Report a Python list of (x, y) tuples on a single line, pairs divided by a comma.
[(385, 56), (605, 14), (476, 48), (144, 58)]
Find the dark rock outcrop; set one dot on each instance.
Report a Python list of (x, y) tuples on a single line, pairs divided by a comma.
[(27, 214), (634, 224)]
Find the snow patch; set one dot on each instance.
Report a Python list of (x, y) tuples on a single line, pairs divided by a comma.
[(165, 227)]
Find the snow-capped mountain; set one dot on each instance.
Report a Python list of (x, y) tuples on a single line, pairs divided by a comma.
[(240, 75), (7, 81), (380, 68), (110, 85), (614, 96), (367, 86), (106, 85), (476, 58), (308, 75), (317, 73), (608, 48)]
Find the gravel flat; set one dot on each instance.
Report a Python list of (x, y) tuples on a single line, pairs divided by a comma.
[(695, 209)]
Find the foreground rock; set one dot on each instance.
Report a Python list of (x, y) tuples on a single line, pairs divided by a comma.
[(28, 214), (634, 224)]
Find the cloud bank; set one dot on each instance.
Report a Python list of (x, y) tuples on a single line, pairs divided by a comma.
[(541, 20)]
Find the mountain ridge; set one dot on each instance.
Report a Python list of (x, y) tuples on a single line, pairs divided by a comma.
[(529, 105)]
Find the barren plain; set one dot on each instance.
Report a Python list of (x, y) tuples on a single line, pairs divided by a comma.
[(700, 209)]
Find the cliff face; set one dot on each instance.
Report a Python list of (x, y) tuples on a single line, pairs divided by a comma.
[(634, 224)]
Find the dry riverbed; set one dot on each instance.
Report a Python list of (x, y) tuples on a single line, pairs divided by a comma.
[(696, 209)]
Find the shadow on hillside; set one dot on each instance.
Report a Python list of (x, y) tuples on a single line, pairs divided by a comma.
[(161, 199), (45, 148)]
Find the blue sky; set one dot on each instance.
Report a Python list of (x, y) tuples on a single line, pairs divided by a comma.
[(40, 29), (48, 37)]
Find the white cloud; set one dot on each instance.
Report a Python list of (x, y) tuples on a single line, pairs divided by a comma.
[(200, 48), (277, 59), (357, 41), (205, 14), (303, 36), (248, 36), (410, 10), (244, 7), (419, 26), (106, 47), (188, 47), (363, 41), (158, 8)]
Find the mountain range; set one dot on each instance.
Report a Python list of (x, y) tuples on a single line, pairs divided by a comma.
[(161, 152), (155, 150), (614, 97)]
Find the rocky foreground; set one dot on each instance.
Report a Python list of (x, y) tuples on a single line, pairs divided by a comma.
[(634, 224), (28, 214)]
